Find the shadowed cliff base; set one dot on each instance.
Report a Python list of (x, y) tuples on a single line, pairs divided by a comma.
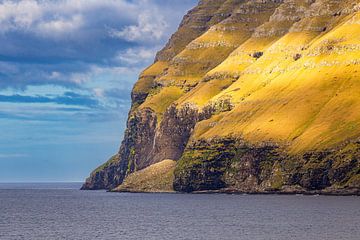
[(233, 165)]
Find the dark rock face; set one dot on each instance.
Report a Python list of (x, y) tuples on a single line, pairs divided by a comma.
[(138, 98), (202, 166), (133, 153), (145, 145), (174, 133), (257, 55), (139, 143), (221, 163), (104, 177), (234, 165)]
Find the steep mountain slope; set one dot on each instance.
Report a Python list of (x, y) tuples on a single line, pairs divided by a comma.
[(262, 97)]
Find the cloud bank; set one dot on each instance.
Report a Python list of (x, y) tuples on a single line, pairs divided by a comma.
[(91, 46)]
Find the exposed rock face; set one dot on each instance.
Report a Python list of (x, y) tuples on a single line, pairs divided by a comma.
[(250, 96), (105, 176), (174, 133), (234, 165), (133, 153)]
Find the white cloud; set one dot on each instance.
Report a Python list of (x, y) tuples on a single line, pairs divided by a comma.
[(99, 92), (98, 72), (136, 55), (150, 26), (54, 75), (45, 17), (56, 16), (18, 15), (67, 42), (79, 78), (61, 25), (62, 16), (134, 21)]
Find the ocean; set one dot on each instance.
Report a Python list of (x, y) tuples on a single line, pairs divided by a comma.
[(61, 211)]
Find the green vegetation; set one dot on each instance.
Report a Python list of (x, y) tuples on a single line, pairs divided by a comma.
[(111, 161)]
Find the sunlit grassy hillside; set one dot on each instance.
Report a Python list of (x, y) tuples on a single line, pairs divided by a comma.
[(304, 91), (288, 71)]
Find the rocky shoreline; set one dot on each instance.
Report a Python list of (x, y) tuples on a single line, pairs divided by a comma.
[(350, 192)]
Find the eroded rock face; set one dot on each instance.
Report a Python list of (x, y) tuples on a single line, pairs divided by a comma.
[(105, 177), (174, 133), (222, 163), (234, 165), (133, 153)]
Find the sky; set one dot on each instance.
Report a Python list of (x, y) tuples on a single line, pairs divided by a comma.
[(67, 68)]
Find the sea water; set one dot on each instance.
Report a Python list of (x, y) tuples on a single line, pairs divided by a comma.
[(61, 211)]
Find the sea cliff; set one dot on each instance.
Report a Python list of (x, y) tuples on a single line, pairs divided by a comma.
[(255, 96)]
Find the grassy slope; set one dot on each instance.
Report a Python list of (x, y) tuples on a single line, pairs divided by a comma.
[(207, 51), (303, 101), (312, 102), (162, 99), (192, 26), (222, 76), (156, 178)]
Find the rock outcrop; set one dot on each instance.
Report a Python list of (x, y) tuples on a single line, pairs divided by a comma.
[(256, 96)]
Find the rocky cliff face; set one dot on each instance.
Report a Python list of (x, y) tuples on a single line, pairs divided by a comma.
[(232, 165), (250, 96)]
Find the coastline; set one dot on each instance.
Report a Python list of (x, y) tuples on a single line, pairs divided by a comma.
[(347, 192)]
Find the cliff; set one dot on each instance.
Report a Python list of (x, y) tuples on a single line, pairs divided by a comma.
[(250, 96)]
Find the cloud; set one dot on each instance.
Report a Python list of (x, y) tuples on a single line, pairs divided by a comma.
[(20, 75), (18, 15), (150, 26), (135, 56), (34, 16), (68, 98), (62, 41), (60, 26), (95, 49), (99, 92)]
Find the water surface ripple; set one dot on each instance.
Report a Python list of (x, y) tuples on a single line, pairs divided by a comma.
[(60, 211)]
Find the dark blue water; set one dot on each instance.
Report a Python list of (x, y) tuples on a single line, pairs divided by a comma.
[(60, 211)]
